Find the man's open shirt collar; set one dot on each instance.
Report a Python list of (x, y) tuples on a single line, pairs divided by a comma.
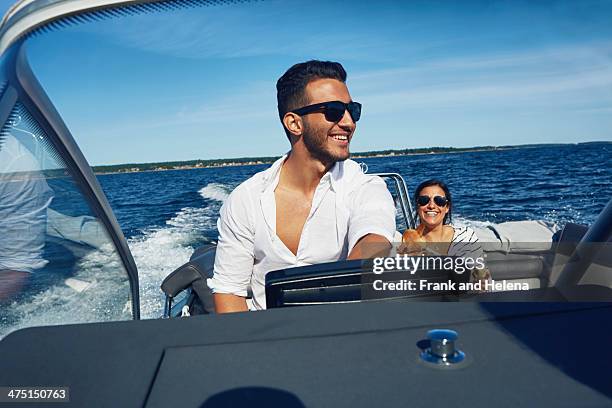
[(271, 176)]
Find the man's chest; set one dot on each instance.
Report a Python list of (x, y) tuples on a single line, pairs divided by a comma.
[(303, 230), (292, 211)]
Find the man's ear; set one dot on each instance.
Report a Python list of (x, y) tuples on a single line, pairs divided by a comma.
[(293, 123)]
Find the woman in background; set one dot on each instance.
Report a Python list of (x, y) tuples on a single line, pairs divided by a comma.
[(435, 234)]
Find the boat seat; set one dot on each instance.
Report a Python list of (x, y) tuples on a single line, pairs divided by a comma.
[(531, 267), (192, 276), (516, 236)]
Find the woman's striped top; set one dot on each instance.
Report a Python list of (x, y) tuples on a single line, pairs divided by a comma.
[(465, 244)]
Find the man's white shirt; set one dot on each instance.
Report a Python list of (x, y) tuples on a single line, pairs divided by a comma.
[(346, 206)]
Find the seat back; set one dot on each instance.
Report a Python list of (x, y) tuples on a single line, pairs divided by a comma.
[(186, 285)]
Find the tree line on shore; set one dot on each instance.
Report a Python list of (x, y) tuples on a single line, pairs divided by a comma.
[(241, 161)]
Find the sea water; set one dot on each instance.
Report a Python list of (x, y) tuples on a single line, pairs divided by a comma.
[(165, 215)]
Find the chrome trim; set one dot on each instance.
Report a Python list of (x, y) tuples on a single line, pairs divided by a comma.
[(441, 351), (296, 280), (405, 203), (27, 15)]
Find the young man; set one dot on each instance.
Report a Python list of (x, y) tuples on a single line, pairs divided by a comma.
[(313, 205)]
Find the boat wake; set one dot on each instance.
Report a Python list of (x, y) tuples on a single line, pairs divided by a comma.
[(97, 291), (215, 191), (157, 252)]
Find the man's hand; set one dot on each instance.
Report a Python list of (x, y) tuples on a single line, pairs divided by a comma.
[(370, 246), (228, 303), (11, 283)]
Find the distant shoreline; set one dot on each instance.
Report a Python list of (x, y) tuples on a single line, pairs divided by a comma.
[(250, 161)]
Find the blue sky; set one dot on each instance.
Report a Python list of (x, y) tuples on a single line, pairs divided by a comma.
[(4, 6), (200, 83)]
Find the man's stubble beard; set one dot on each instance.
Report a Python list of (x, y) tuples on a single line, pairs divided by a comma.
[(317, 146)]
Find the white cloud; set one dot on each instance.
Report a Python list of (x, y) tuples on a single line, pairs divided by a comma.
[(554, 77)]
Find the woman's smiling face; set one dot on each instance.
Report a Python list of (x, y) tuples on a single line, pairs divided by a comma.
[(431, 214)]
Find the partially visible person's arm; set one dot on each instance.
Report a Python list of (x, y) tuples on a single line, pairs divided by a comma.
[(370, 246), (234, 257), (11, 283)]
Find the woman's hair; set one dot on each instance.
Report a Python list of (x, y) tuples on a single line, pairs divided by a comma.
[(435, 182)]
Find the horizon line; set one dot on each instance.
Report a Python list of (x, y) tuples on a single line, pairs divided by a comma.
[(417, 150)]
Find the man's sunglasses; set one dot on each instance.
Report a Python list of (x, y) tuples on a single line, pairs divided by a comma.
[(438, 200), (333, 110)]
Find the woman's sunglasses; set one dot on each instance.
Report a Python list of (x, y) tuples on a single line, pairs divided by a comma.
[(438, 200), (333, 110)]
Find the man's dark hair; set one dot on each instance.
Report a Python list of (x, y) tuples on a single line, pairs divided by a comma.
[(433, 182), (291, 87)]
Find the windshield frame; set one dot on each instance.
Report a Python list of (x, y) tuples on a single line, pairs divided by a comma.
[(22, 86)]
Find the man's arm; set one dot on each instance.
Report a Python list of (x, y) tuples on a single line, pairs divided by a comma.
[(228, 303), (370, 246), (372, 222), (234, 257)]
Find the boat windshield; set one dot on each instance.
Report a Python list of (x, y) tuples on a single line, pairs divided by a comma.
[(57, 262), (175, 106)]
